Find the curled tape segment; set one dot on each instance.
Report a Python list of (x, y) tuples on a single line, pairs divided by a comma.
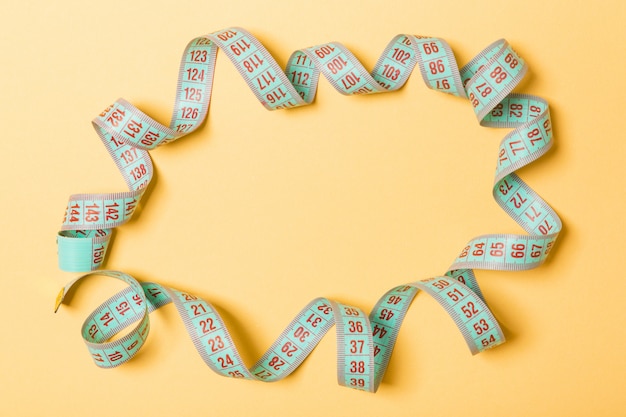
[(364, 342)]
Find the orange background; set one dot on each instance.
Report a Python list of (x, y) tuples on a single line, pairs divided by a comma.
[(259, 212)]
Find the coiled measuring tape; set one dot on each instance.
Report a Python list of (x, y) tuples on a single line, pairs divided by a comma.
[(364, 342)]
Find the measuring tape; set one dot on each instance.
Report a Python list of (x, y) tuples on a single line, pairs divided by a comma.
[(364, 342)]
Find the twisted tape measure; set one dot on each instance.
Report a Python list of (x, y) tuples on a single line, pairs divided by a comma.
[(364, 343)]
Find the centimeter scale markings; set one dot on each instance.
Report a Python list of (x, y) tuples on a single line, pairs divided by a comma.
[(364, 343)]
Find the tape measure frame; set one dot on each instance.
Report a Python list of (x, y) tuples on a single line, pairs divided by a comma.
[(364, 342)]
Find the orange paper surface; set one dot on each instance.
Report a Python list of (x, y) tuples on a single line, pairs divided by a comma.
[(259, 212)]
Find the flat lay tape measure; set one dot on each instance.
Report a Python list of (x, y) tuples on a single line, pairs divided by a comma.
[(364, 342)]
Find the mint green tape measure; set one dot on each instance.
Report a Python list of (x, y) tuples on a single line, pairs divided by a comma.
[(364, 342)]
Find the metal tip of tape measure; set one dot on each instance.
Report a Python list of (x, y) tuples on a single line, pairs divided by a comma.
[(59, 300)]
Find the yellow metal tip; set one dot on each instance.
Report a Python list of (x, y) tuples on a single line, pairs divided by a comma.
[(59, 299)]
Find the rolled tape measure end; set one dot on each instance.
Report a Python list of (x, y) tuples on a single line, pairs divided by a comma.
[(80, 254)]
